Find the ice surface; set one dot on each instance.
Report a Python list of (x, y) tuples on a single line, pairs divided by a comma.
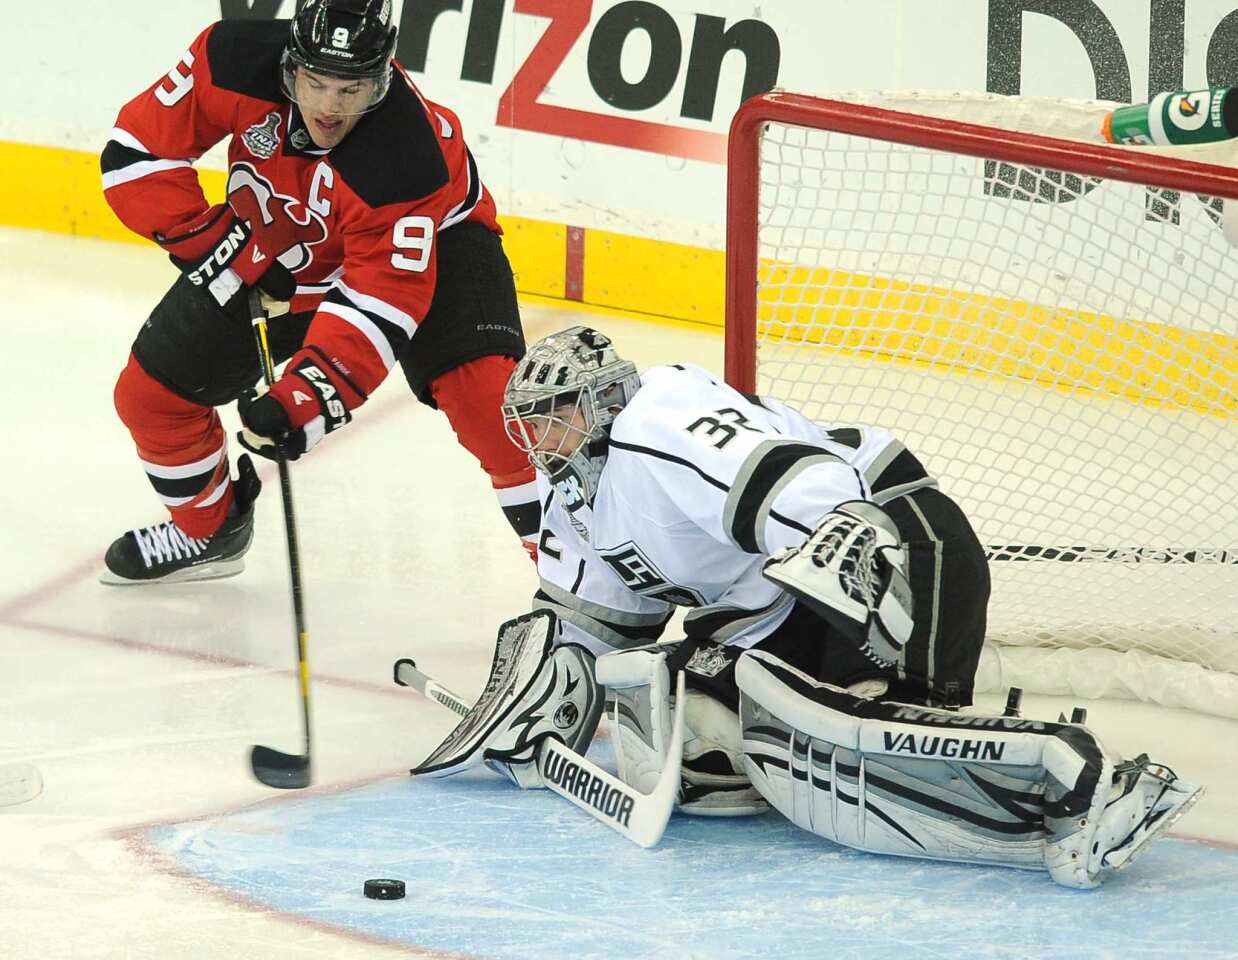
[(139, 707)]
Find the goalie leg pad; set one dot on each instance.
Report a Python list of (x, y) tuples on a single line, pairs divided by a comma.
[(915, 781), (715, 783), (852, 570), (535, 690), (885, 777), (638, 687)]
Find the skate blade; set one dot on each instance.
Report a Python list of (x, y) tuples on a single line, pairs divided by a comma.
[(216, 570), (1126, 855)]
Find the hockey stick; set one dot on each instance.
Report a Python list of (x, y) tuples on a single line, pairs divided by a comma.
[(19, 782), (641, 817), (406, 674), (286, 771)]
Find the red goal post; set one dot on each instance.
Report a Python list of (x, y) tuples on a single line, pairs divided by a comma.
[(853, 325)]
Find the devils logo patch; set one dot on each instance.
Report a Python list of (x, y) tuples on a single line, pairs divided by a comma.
[(287, 224)]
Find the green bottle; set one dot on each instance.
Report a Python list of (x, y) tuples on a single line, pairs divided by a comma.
[(1187, 116)]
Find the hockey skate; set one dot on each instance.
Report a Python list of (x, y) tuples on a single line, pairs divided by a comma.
[(163, 553), (1149, 798), (1145, 799)]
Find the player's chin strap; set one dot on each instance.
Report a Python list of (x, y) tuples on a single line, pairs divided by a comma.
[(533, 722), (919, 782)]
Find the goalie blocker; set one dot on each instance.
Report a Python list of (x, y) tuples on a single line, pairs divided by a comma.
[(921, 782), (535, 690)]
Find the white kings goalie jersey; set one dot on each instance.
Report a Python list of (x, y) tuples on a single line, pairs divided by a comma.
[(701, 485)]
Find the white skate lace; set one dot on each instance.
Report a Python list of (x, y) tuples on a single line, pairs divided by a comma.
[(163, 542)]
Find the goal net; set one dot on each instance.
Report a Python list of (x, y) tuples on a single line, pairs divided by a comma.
[(1051, 325)]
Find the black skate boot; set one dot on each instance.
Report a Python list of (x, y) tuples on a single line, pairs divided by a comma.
[(163, 553)]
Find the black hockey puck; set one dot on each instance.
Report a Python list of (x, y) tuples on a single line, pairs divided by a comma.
[(384, 889)]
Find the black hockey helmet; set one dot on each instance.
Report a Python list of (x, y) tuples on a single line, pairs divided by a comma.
[(346, 39)]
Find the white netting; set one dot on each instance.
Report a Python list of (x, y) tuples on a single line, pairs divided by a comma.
[(1060, 351)]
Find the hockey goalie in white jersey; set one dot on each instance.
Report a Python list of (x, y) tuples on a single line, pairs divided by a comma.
[(836, 614)]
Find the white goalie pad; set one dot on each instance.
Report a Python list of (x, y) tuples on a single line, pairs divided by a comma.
[(918, 782), (535, 690), (639, 688), (1091, 836), (852, 571), (713, 782)]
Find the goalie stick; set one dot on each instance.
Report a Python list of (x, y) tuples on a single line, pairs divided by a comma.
[(19, 782), (641, 817)]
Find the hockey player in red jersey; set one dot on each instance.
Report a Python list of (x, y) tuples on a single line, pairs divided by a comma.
[(355, 207)]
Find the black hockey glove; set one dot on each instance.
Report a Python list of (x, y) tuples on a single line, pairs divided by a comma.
[(309, 401)]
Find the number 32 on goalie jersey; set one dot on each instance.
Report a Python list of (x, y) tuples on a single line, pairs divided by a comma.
[(726, 425)]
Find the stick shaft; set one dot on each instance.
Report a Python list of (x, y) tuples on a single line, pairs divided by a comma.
[(258, 314), (407, 675)]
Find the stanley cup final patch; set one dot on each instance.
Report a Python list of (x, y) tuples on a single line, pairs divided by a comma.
[(262, 139)]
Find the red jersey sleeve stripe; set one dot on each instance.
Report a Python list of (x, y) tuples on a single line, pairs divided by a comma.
[(465, 207)]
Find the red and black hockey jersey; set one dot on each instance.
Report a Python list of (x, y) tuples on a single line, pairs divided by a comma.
[(381, 196)]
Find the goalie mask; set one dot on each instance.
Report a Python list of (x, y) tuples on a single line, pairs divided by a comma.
[(559, 404)]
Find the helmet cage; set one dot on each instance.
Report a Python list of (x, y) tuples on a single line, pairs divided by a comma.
[(554, 430)]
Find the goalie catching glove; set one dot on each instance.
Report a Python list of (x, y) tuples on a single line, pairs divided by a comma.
[(535, 690), (852, 571), (311, 399)]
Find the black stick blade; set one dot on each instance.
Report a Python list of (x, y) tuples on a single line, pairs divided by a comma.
[(284, 771)]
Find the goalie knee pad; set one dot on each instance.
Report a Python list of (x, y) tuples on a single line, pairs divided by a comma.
[(714, 781), (535, 690), (916, 781)]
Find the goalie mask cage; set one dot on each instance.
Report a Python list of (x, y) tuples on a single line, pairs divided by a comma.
[(1049, 324)]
